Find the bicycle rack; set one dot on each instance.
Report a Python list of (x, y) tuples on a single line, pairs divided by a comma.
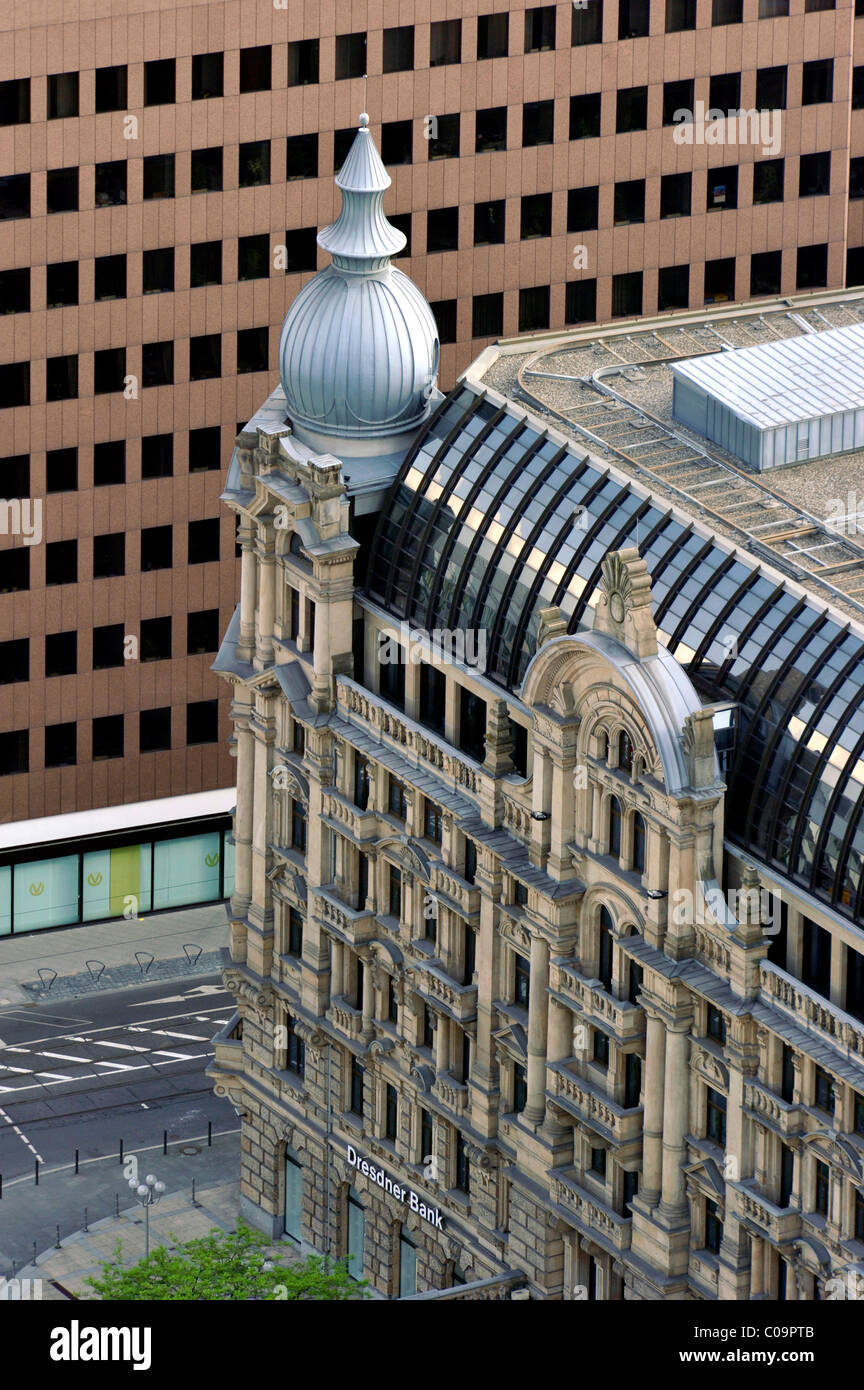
[(140, 956), (95, 974), (42, 972), (187, 948)]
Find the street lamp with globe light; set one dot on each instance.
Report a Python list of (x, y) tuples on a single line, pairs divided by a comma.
[(147, 1193)]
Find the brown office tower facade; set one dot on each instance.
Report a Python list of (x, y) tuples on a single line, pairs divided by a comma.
[(163, 172)]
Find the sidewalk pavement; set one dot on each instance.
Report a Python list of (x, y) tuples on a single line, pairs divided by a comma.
[(114, 943)]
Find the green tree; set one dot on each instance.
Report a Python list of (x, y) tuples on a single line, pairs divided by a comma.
[(232, 1267)]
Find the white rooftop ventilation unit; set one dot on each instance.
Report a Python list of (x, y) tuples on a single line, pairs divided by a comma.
[(781, 402)]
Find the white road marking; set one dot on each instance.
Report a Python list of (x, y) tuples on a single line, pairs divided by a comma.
[(26, 1071), (64, 1057), (181, 1056), (54, 1075), (21, 1135), (93, 1076), (190, 1037), (120, 1027), (121, 1047)]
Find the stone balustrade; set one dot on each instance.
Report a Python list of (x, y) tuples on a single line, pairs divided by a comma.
[(355, 925), (765, 1105), (465, 895), (594, 1218), (586, 1103), (345, 1019), (778, 1223), (624, 1020), (813, 1011), (407, 736)]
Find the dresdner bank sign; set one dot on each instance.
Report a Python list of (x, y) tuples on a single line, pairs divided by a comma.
[(402, 1194)]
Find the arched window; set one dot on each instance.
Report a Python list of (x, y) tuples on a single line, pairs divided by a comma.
[(603, 745), (293, 1223), (604, 968), (625, 753), (355, 1232), (638, 843), (614, 827)]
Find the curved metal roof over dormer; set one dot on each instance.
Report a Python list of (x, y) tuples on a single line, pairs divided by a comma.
[(479, 532)]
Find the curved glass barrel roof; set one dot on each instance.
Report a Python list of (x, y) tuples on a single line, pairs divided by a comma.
[(484, 527)]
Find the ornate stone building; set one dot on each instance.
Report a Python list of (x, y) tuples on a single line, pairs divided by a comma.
[(516, 1018)]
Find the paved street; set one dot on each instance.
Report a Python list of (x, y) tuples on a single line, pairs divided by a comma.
[(87, 1073)]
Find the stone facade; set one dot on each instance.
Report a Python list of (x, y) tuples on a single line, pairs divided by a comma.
[(489, 985)]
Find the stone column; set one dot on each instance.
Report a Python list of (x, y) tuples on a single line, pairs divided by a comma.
[(675, 1117), (243, 817), (757, 1266), (655, 1066), (266, 599), (838, 972), (559, 1045), (442, 1044), (337, 969), (538, 1018), (368, 999), (248, 595)]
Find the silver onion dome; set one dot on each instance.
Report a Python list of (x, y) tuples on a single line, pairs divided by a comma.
[(358, 355)]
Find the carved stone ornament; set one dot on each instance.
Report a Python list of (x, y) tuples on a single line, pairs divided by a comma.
[(624, 606)]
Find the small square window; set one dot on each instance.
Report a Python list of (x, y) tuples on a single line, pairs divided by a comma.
[(444, 313), (203, 541), (61, 284), (856, 177), (14, 384), (580, 301), (61, 470), (14, 752), (253, 257), (536, 216), (158, 176), (676, 195), (109, 277), (15, 291), (490, 129), (350, 56), (15, 101), (598, 1162), (771, 89), (301, 250), (156, 639), (720, 281), (15, 476), (255, 68), (858, 88), (402, 223), (108, 647), (158, 270), (109, 370), (765, 272), (629, 202), (157, 456), (253, 350), (205, 357), (673, 287), (61, 654), (202, 632), (778, 9), (15, 197), (157, 364), (442, 229), (540, 29), (492, 36), (627, 294), (111, 88), (727, 11), (677, 98), (15, 661), (109, 463), (254, 163), (157, 549), (722, 188), (487, 316), (62, 95), (154, 730), (107, 737), (397, 142), (724, 91), (445, 42), (398, 49), (812, 268), (342, 142), (159, 82), (631, 111), (111, 184), (202, 722), (208, 75), (205, 449), (302, 157), (538, 123), (109, 555), (855, 265), (817, 83), (768, 181), (61, 378), (62, 190), (206, 176), (205, 264), (814, 176), (585, 116), (489, 223), (303, 62), (586, 24), (61, 745), (534, 309), (15, 570)]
